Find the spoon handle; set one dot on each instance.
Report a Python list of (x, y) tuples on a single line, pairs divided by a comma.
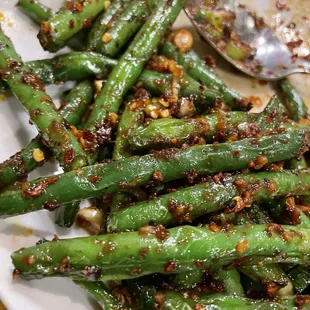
[(303, 66)]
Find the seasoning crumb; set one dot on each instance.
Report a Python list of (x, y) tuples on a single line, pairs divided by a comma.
[(106, 38), (38, 155), (242, 246), (106, 4)]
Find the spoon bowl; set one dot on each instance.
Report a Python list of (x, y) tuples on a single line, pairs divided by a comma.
[(272, 60)]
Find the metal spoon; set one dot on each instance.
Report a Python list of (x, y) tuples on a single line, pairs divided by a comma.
[(274, 56)]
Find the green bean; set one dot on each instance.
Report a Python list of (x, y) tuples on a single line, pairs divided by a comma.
[(99, 292), (128, 23), (101, 24), (119, 199), (170, 300), (267, 274), (187, 280), (19, 165), (294, 103), (231, 281), (37, 11), (93, 181), (74, 66), (130, 119), (78, 66), (134, 254), (300, 277), (74, 107), (272, 115), (143, 293), (55, 32), (165, 133), (31, 92), (40, 13), (189, 203)]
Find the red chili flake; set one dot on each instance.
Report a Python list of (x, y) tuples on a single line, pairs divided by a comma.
[(71, 23), (135, 271), (159, 300), (34, 113), (271, 187), (191, 176), (55, 238), (293, 212), (143, 252), (200, 263), (68, 157), (159, 231), (88, 141), (44, 99), (16, 273), (89, 136), (256, 101), (51, 205), (252, 130), (280, 230), (181, 212), (301, 300), (170, 266), (259, 23), (78, 7), (45, 27), (165, 153), (93, 179), (108, 247), (87, 23), (194, 297), (37, 189), (12, 63), (69, 5), (64, 265), (4, 73), (214, 227), (210, 61), (157, 177), (33, 81), (29, 260), (218, 178), (294, 44), (271, 288)]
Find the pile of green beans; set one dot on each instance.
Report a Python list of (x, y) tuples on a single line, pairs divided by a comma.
[(198, 201)]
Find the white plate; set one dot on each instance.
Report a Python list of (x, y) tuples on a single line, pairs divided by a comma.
[(15, 133)]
